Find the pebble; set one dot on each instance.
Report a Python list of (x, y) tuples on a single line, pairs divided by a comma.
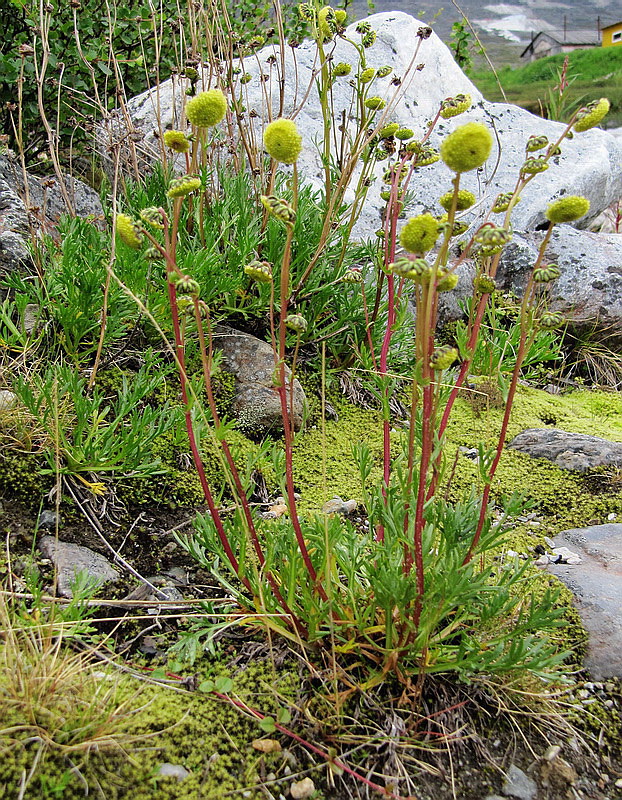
[(266, 745), (339, 506), (49, 519), (518, 784), (301, 789), (618, 783), (8, 400), (173, 771)]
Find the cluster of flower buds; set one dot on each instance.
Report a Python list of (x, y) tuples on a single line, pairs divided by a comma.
[(341, 69), (384, 72), (443, 357), (546, 273), (491, 239), (279, 208), (353, 275), (536, 143), (260, 271), (550, 320), (185, 185), (484, 284), (128, 230), (446, 281), (452, 106), (502, 203), (459, 227), (464, 200), (423, 154), (152, 216), (375, 103), (296, 323), (534, 165), (591, 114), (184, 283), (417, 269)]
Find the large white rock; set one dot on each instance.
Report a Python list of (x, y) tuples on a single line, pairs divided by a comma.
[(590, 164)]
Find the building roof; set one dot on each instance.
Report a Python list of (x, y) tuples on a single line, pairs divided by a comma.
[(612, 25), (575, 38)]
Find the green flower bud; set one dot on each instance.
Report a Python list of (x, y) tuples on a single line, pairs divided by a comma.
[(467, 147), (386, 196), (534, 165), (153, 254), (296, 322), (191, 73), (256, 42), (484, 284), (128, 231), (446, 281), (491, 239), (246, 78), (442, 358), (459, 226), (452, 106), (185, 284), (551, 320), (282, 141), (340, 15), (567, 209), (375, 103), (416, 269), (465, 200), (546, 274), (341, 69), (502, 203), (363, 27), (152, 216), (367, 75), (279, 209), (207, 108), (425, 155), (404, 133), (177, 141), (260, 271), (536, 143), (327, 23), (180, 187), (389, 130), (592, 114), (369, 39), (419, 234), (306, 12), (353, 275), (384, 72)]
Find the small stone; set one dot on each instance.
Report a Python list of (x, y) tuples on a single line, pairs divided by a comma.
[(552, 752), (8, 400), (543, 561), (173, 771), (618, 783), (266, 745), (550, 543), (339, 506), (566, 556), (518, 784), (72, 559), (609, 703), (511, 554), (49, 519), (611, 517), (302, 789), (30, 317)]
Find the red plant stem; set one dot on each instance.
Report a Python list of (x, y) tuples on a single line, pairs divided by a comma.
[(206, 359)]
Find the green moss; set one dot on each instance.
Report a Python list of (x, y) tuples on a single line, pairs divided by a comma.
[(21, 478)]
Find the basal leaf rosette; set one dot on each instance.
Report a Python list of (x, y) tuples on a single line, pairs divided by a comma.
[(282, 141), (567, 209), (207, 108), (467, 147)]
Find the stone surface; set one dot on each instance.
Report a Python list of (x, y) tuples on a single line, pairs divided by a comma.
[(572, 451), (256, 405), (8, 400), (597, 586), (177, 771), (518, 784), (589, 290), (70, 559)]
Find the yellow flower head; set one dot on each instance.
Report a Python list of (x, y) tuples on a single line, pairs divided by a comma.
[(282, 141), (389, 130), (419, 234), (207, 108), (375, 103), (592, 114), (367, 75), (452, 106), (128, 231), (467, 147), (567, 209), (443, 357), (177, 141), (327, 23), (465, 200), (180, 187)]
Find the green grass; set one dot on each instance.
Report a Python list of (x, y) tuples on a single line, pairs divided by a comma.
[(597, 73)]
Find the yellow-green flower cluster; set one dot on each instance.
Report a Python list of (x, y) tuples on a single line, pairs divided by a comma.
[(389, 130), (546, 274), (327, 23), (534, 165), (465, 200), (128, 231), (484, 284), (424, 155), (180, 187), (459, 226), (502, 203), (446, 281), (592, 114), (467, 147), (419, 234), (260, 271), (341, 69), (443, 357), (536, 143), (452, 106), (491, 239), (417, 269), (282, 141), (404, 133), (551, 320), (367, 75), (207, 108), (177, 141), (375, 103), (567, 209), (296, 322), (152, 216), (280, 209)]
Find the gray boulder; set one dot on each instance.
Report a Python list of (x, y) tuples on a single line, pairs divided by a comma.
[(572, 451), (256, 404), (71, 559)]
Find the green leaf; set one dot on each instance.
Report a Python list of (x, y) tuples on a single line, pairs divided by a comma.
[(224, 684), (268, 725), (283, 716), (207, 687)]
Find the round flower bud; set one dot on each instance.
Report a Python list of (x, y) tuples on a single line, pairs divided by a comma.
[(465, 200), (280, 209), (446, 281), (419, 234), (363, 27), (502, 203), (186, 285), (246, 78), (340, 15), (423, 155), (260, 271), (491, 239), (384, 72), (452, 106), (353, 275), (546, 274), (536, 143), (459, 226), (442, 358), (484, 284), (153, 254), (177, 141), (567, 209), (296, 322), (306, 12), (375, 103), (341, 69), (417, 269), (534, 165), (367, 75), (369, 39), (404, 133), (327, 23), (282, 141), (152, 216), (551, 320), (128, 231), (592, 114), (207, 108), (389, 130), (386, 196), (180, 187), (467, 147)]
